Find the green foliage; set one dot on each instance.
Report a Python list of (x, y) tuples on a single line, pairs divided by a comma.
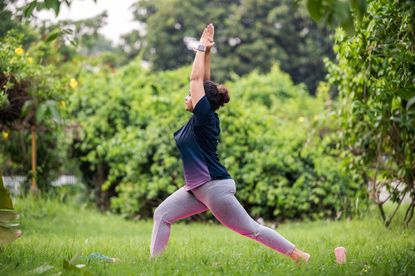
[(125, 142), (32, 89), (38, 5), (375, 77), (284, 165), (6, 18), (4, 101), (249, 35), (35, 94), (73, 36), (75, 194), (85, 35), (337, 12)]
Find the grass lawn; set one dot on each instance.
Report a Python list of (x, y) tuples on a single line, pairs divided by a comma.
[(55, 232)]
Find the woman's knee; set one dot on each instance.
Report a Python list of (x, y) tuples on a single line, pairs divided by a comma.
[(160, 214), (243, 225)]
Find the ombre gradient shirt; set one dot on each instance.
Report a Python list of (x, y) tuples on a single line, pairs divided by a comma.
[(197, 142)]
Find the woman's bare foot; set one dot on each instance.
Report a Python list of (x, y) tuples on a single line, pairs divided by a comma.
[(299, 256)]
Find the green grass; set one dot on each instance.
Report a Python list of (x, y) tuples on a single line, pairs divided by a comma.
[(54, 232)]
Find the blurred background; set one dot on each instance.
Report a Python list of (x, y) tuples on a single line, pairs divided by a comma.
[(319, 124)]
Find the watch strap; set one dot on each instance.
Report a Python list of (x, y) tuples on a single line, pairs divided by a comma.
[(200, 48)]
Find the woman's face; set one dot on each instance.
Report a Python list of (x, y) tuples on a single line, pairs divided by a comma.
[(188, 103)]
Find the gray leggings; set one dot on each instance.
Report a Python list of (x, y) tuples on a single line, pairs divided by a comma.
[(218, 196)]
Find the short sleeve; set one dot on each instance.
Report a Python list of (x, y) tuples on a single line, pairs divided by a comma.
[(202, 111)]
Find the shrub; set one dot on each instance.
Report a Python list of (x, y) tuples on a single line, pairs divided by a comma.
[(282, 169)]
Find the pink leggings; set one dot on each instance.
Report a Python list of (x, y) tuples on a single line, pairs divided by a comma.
[(218, 196)]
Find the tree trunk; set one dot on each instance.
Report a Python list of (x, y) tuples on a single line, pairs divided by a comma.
[(382, 212), (388, 222), (34, 188), (409, 212), (98, 180)]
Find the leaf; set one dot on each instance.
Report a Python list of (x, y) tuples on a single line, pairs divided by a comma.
[(68, 266), (5, 199), (315, 9), (53, 35), (41, 112), (8, 215), (410, 102), (99, 256), (67, 31), (55, 115), (72, 264), (27, 106), (29, 8), (7, 235), (8, 224), (407, 94), (344, 17), (53, 4), (73, 42), (46, 110), (41, 269), (347, 25), (75, 258), (359, 7)]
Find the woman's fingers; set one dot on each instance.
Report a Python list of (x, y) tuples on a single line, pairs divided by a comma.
[(210, 44), (211, 31), (207, 36)]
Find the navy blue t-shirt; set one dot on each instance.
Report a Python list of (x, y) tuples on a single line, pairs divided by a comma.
[(197, 142)]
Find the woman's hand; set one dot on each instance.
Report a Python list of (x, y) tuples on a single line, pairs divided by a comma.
[(207, 37)]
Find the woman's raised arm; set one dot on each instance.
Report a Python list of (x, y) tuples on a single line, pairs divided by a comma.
[(207, 54), (199, 69)]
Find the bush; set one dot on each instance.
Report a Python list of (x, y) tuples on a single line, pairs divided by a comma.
[(32, 96), (282, 169), (375, 78)]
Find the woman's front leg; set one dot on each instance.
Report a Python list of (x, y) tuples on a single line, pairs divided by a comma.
[(179, 205)]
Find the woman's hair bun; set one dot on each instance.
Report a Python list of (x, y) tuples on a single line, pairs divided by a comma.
[(224, 94), (217, 94)]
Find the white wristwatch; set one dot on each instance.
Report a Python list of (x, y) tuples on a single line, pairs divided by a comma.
[(200, 48)]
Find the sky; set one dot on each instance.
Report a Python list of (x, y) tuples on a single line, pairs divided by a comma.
[(119, 19)]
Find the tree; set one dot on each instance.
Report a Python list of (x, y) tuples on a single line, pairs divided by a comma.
[(32, 101), (12, 21), (54, 5), (129, 159), (337, 13), (375, 77), (250, 35), (267, 31)]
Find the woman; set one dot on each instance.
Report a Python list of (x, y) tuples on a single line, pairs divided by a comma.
[(208, 184)]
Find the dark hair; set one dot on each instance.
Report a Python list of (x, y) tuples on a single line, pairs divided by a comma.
[(217, 94)]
